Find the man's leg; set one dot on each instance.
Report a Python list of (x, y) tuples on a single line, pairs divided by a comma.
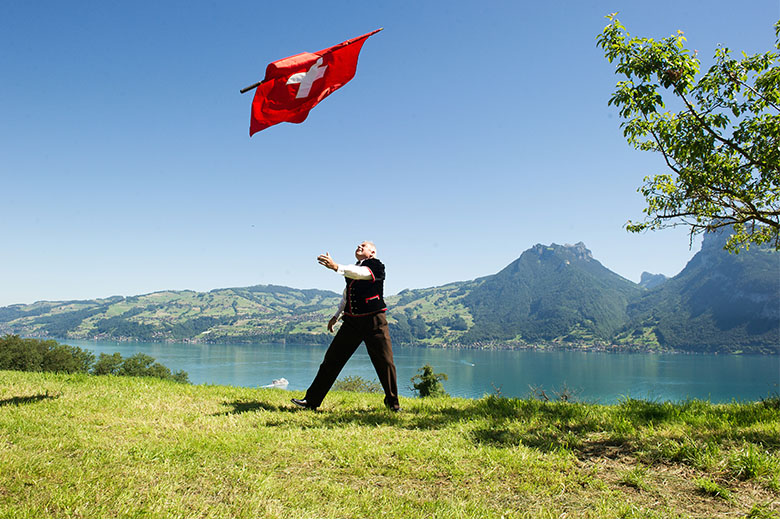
[(380, 350), (342, 347)]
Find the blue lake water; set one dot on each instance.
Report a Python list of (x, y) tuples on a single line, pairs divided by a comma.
[(595, 376)]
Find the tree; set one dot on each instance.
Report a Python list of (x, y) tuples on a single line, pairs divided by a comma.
[(107, 364), (144, 365), (722, 146), (429, 384)]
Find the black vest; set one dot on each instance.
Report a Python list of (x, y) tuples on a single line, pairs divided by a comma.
[(365, 297)]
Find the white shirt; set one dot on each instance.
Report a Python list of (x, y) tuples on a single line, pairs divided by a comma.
[(353, 272)]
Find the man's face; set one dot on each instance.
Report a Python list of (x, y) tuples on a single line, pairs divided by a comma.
[(364, 250)]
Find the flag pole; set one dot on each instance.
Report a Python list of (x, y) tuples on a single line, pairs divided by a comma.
[(250, 87), (353, 40)]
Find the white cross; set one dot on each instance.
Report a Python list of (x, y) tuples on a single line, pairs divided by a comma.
[(307, 79)]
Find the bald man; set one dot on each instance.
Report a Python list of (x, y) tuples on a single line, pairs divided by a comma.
[(363, 308)]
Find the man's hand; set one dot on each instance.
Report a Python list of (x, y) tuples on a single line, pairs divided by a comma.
[(327, 261), (332, 323)]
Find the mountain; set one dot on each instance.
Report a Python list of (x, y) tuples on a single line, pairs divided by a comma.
[(719, 301), (556, 295), (550, 292), (651, 281)]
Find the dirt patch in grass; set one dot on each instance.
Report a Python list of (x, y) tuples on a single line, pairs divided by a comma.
[(672, 488)]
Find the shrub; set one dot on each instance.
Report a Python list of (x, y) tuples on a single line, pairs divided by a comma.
[(107, 364), (358, 384), (36, 355), (428, 384), (143, 365)]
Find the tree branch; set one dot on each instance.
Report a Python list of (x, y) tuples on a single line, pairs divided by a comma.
[(727, 142)]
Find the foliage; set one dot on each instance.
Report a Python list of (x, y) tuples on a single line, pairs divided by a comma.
[(428, 384), (721, 146), (357, 384), (35, 355), (107, 364), (143, 365)]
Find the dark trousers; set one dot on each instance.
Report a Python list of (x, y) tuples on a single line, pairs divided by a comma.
[(369, 329)]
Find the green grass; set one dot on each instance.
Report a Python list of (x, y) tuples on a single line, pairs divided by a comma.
[(103, 447), (709, 487)]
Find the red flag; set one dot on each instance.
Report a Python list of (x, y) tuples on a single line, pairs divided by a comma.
[(295, 85)]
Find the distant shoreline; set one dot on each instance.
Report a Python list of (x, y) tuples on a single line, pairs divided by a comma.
[(498, 345)]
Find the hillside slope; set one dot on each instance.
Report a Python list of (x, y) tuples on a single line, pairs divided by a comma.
[(185, 451), (550, 296), (719, 302), (262, 312), (550, 292)]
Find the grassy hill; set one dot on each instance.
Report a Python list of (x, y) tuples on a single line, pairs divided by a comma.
[(261, 312), (104, 447)]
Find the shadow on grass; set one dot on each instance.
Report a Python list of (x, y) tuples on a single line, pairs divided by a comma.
[(239, 407), (28, 399), (583, 430)]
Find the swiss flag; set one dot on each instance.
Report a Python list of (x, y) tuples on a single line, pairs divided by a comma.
[(294, 85)]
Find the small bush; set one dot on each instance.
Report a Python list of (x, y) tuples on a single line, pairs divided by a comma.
[(428, 384), (358, 384)]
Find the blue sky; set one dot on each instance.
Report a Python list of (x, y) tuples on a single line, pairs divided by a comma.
[(472, 131)]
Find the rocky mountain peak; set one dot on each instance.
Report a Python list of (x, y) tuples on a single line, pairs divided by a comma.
[(578, 251), (650, 280)]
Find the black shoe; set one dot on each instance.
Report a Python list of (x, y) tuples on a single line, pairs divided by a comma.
[(303, 404)]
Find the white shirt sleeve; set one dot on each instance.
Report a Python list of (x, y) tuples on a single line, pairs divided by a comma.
[(355, 272)]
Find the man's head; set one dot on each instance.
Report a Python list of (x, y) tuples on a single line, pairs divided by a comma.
[(365, 250)]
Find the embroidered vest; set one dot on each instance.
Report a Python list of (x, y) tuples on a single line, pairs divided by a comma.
[(365, 297)]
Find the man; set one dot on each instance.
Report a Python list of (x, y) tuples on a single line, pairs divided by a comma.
[(363, 307)]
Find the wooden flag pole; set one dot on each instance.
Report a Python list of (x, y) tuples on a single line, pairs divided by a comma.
[(255, 85), (250, 87)]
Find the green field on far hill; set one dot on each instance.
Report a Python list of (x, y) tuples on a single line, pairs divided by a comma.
[(107, 446)]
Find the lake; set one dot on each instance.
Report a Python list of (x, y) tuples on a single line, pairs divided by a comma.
[(595, 376)]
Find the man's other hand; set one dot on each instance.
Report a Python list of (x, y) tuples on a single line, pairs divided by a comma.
[(332, 323)]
